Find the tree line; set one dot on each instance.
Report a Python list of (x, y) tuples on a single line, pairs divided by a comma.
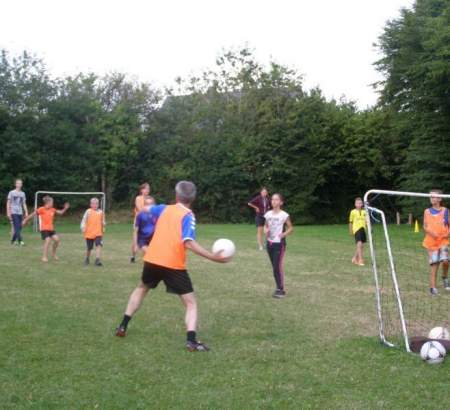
[(235, 127)]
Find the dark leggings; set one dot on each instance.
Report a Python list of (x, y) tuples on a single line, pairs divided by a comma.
[(276, 253), (17, 227)]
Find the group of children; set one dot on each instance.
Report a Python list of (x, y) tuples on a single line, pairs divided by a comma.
[(164, 232), (92, 224), (436, 240)]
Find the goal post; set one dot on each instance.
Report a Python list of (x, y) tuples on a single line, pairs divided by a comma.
[(38, 193), (405, 309)]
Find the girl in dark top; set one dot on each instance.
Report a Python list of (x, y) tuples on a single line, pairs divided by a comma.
[(261, 204)]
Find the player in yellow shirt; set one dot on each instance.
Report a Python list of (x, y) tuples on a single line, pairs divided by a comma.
[(92, 226), (357, 227)]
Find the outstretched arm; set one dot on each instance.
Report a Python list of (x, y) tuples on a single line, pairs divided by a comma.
[(195, 247), (63, 211), (27, 218)]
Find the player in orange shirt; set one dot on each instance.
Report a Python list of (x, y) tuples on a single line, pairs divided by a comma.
[(165, 260), (92, 226), (139, 203), (46, 215), (436, 227)]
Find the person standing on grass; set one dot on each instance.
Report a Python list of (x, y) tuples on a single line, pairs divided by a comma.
[(261, 204), (436, 227), (46, 215), (276, 222), (16, 208), (144, 191), (357, 227), (92, 226), (144, 226), (165, 260)]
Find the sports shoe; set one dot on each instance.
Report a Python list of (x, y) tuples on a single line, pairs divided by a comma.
[(22, 243), (261, 248), (132, 259), (98, 262), (433, 292), (121, 331), (446, 284), (278, 294), (86, 261), (196, 346)]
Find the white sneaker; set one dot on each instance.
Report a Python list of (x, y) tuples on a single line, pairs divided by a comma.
[(261, 248), (446, 284)]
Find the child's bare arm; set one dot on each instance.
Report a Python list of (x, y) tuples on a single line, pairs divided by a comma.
[(63, 211), (195, 247), (350, 228), (289, 230), (27, 218), (135, 236)]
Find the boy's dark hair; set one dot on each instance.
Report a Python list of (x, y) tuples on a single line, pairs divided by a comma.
[(358, 198), (46, 199)]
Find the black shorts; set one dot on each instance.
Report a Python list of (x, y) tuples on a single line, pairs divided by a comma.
[(176, 281), (360, 236), (47, 234), (98, 241), (260, 220)]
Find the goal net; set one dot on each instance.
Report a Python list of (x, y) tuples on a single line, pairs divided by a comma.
[(406, 309), (65, 195)]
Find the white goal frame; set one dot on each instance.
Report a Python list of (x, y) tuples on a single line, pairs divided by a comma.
[(393, 272), (37, 193)]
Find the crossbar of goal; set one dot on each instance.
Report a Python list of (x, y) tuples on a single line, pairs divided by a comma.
[(370, 209), (36, 197)]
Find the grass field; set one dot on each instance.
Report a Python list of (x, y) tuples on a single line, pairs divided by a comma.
[(317, 348)]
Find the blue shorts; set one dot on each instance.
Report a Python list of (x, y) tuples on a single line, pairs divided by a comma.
[(143, 241), (441, 255)]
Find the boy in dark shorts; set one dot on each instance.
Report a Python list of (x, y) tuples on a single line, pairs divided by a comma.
[(144, 225), (165, 260), (261, 204), (357, 227), (46, 215), (92, 226)]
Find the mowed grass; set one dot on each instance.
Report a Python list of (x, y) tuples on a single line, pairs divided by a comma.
[(317, 348)]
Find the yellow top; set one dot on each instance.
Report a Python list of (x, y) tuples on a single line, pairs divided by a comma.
[(357, 219)]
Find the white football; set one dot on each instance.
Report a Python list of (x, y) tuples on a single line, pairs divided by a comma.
[(433, 352), (226, 246), (439, 333)]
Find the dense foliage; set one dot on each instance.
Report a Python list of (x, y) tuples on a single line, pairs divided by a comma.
[(235, 128)]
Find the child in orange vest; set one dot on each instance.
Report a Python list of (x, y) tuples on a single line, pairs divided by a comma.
[(436, 227), (165, 260), (46, 216), (92, 226)]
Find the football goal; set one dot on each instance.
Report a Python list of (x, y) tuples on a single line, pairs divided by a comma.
[(100, 195), (405, 307)]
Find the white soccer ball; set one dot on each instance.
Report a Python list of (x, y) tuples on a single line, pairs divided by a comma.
[(439, 333), (226, 246), (433, 352)]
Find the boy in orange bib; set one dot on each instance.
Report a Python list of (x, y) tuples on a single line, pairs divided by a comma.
[(46, 215), (165, 260), (92, 226), (436, 227)]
